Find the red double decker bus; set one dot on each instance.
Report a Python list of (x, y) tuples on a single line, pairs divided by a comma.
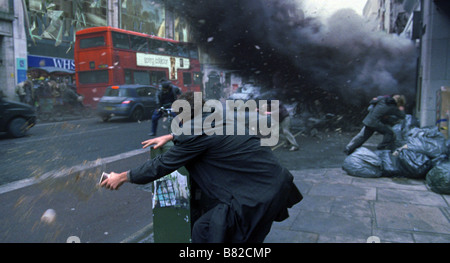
[(106, 56)]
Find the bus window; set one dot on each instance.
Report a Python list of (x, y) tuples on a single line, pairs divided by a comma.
[(156, 76), (193, 52), (157, 46), (170, 49), (120, 40), (187, 80), (128, 76), (197, 78), (182, 50), (92, 42), (141, 77), (139, 43), (92, 77)]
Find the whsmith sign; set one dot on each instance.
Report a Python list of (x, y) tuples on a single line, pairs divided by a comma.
[(41, 61)]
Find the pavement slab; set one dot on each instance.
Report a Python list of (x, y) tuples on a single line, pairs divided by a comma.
[(339, 208)]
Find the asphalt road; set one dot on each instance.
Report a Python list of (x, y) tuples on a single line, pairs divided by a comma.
[(92, 214), (58, 145), (100, 215)]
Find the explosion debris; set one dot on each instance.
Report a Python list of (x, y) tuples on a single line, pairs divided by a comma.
[(297, 55)]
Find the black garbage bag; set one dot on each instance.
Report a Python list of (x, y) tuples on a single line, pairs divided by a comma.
[(447, 144), (429, 141), (438, 160), (390, 164), (410, 122), (401, 129), (414, 164), (363, 163), (438, 178)]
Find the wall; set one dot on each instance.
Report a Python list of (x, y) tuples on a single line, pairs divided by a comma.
[(435, 60)]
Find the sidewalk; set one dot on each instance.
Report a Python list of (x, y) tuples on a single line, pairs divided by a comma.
[(339, 208)]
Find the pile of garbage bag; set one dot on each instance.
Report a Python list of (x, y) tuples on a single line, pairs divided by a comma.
[(421, 153)]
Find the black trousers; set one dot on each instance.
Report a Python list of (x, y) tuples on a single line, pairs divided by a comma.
[(366, 132)]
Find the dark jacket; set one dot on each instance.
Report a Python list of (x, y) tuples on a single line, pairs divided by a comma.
[(165, 99), (380, 111), (251, 186)]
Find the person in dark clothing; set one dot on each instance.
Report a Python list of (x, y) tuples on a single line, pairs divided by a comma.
[(381, 110), (250, 188), (164, 98)]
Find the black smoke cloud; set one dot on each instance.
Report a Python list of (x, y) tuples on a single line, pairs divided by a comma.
[(273, 40)]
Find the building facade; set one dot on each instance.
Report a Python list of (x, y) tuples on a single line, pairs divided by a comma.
[(427, 23), (434, 65), (41, 33), (13, 46)]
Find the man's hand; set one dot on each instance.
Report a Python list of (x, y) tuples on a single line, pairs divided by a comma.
[(114, 181), (157, 142)]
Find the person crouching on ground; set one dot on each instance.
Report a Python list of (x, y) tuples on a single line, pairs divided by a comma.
[(381, 109), (250, 187)]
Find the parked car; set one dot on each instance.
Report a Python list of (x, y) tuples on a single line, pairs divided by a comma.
[(134, 101), (16, 118)]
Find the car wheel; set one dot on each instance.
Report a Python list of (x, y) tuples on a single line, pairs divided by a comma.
[(137, 114), (18, 127)]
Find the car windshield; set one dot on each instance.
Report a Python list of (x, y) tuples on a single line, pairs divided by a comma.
[(116, 92)]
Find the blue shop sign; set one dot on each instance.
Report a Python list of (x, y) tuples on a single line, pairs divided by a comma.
[(40, 61)]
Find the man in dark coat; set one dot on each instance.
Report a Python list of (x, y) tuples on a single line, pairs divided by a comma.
[(164, 98), (250, 188), (381, 111)]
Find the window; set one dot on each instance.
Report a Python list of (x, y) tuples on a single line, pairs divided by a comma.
[(197, 78), (139, 43), (128, 76), (156, 76), (143, 16), (92, 42), (58, 20), (116, 92), (158, 46), (187, 80), (180, 50), (145, 91), (141, 77), (193, 52), (120, 40), (93, 77)]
